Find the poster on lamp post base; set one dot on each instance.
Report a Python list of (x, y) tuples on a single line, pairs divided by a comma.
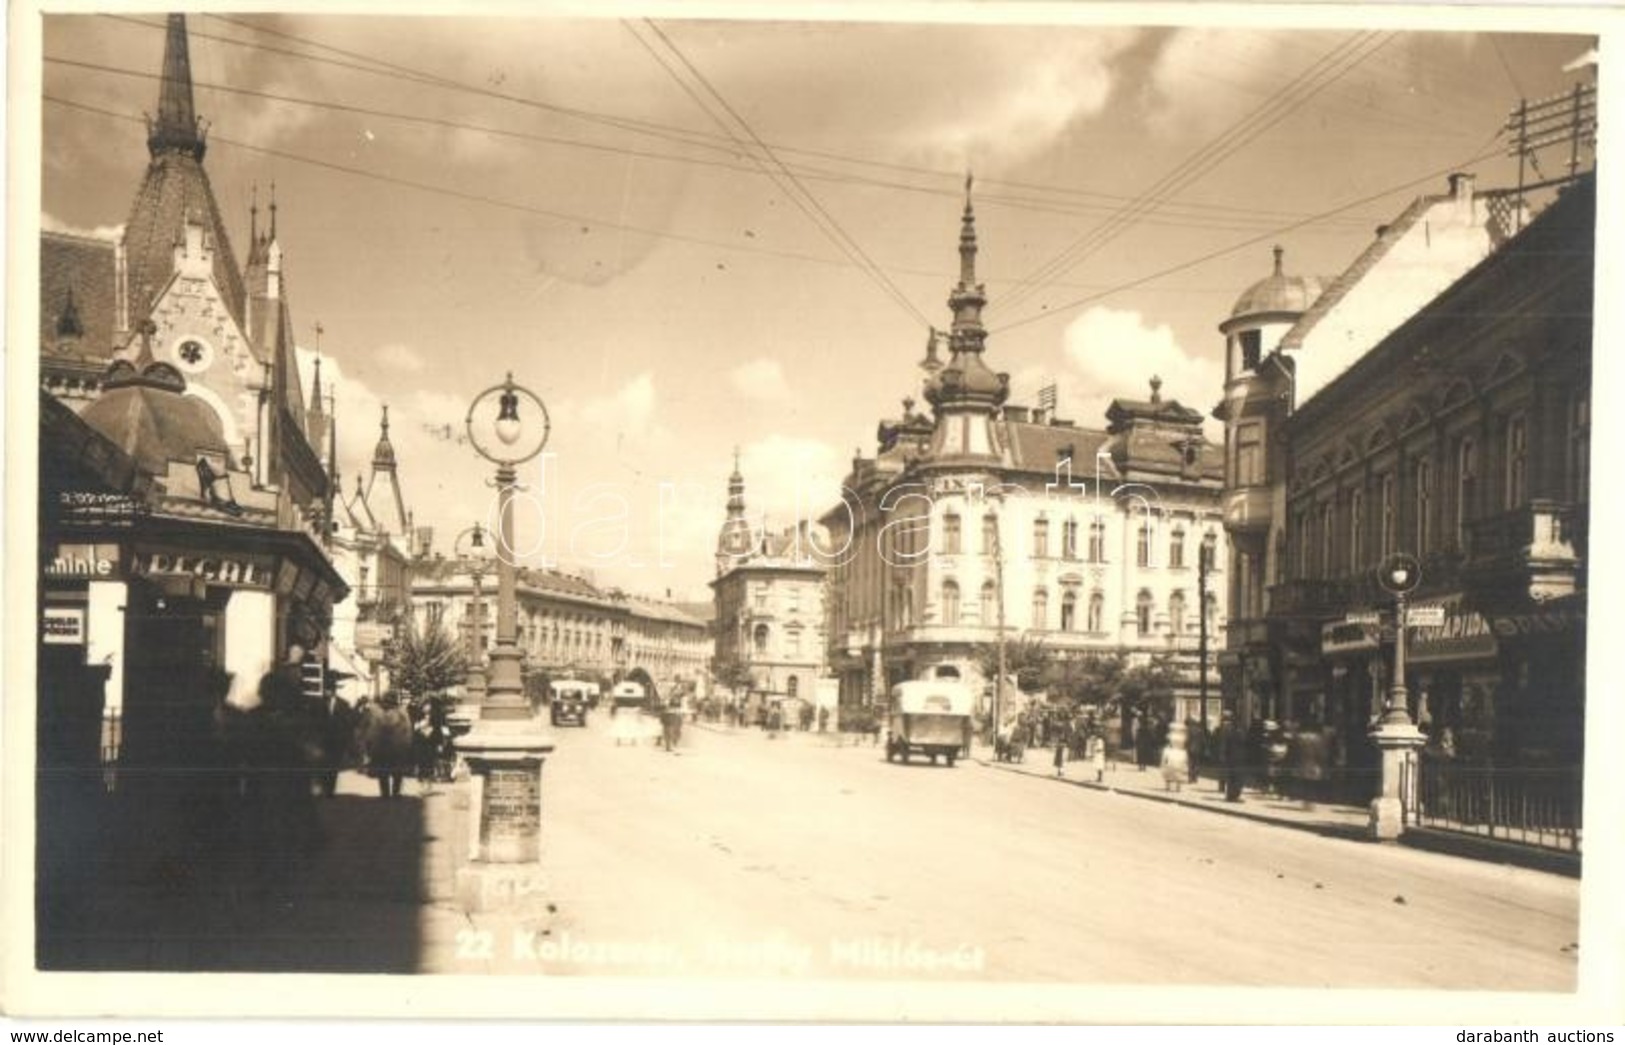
[(813, 514)]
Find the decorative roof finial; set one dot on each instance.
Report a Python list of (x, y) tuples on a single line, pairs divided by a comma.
[(175, 128), (1156, 389), (1278, 254), (273, 210), (253, 214)]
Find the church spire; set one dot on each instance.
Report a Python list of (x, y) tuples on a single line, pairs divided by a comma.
[(383, 455), (175, 128), (968, 297)]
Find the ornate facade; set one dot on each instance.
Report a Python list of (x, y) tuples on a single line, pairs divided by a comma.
[(988, 520)]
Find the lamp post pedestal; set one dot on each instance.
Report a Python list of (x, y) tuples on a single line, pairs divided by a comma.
[(1398, 739), (504, 752)]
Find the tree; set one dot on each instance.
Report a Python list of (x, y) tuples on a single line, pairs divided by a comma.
[(1091, 679), (1025, 658), (1150, 687), (732, 673), (425, 662)]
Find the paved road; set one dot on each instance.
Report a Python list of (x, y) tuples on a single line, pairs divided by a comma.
[(742, 856)]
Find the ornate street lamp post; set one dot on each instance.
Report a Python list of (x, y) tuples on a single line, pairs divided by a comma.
[(475, 685), (1395, 734), (507, 747)]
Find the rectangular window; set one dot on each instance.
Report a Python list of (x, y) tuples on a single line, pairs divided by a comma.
[(1357, 530), (950, 534), (1252, 348), (1466, 487), (1580, 446), (1249, 455), (1040, 538), (1517, 458), (1390, 515), (1097, 541), (1069, 539), (1424, 506)]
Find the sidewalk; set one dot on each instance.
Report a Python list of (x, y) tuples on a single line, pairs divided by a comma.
[(1333, 821)]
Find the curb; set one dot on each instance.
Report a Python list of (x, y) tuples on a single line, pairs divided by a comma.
[(1491, 850), (1325, 830)]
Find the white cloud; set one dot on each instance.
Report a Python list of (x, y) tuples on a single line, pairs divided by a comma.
[(401, 357), (761, 379), (1031, 103), (628, 411), (1112, 353), (49, 223)]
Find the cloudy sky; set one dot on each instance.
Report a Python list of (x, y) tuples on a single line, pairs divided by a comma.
[(688, 235)]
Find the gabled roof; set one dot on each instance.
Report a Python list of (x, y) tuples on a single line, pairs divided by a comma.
[(1374, 252), (84, 267), (1035, 448), (174, 192)]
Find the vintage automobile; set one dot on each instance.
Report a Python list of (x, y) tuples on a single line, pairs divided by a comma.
[(628, 722), (929, 717), (571, 698)]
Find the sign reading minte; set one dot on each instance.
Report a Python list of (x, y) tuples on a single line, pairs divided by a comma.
[(83, 560)]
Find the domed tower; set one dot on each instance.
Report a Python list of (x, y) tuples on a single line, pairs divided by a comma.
[(733, 541), (964, 393), (384, 497), (1257, 398)]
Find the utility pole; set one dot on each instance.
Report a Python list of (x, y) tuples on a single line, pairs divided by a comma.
[(1204, 563), (998, 582)]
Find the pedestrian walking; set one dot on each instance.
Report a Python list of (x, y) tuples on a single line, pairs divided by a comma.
[(1097, 755), (388, 743), (1060, 756), (335, 737), (1195, 738), (1233, 747)]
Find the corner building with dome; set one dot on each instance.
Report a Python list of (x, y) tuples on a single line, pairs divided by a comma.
[(983, 519)]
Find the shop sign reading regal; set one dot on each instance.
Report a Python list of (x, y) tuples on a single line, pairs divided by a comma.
[(236, 572)]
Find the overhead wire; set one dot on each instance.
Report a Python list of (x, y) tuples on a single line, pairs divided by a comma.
[(781, 175), (1330, 67), (686, 136), (1244, 244)]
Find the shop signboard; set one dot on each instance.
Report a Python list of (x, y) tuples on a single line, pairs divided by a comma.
[(1459, 634), (83, 561), (1347, 637), (1425, 617), (63, 626), (95, 508), (233, 571)]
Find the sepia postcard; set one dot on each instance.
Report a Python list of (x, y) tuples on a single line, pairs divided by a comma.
[(930, 512)]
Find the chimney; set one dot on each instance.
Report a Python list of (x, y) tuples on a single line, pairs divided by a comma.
[(1018, 414), (1461, 186)]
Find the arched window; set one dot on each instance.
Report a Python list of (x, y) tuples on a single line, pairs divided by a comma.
[(1176, 613), (950, 603), (759, 638), (1142, 612), (1041, 608), (950, 534), (1097, 612), (990, 603), (1069, 610)]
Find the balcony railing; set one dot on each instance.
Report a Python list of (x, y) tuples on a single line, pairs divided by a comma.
[(1308, 598), (1548, 531)]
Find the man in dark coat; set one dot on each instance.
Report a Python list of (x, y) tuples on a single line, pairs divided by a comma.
[(335, 732), (1232, 753)]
